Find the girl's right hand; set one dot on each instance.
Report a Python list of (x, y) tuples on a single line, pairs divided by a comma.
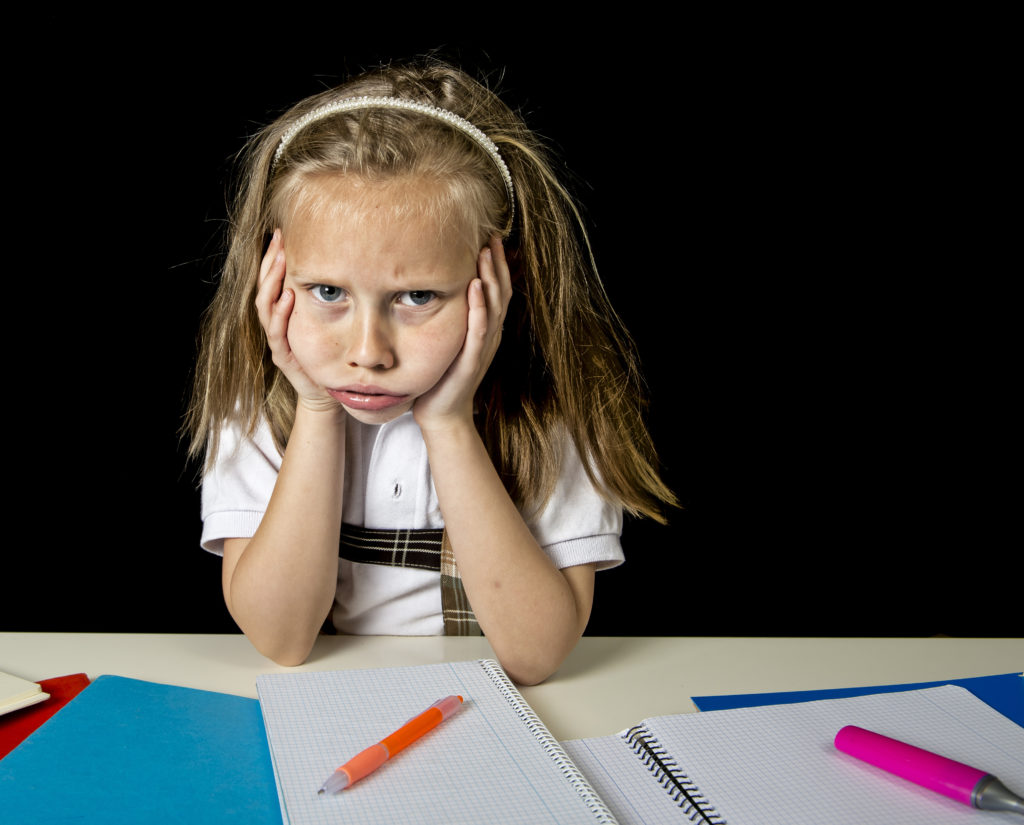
[(274, 306)]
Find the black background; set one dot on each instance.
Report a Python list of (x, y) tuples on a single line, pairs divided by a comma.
[(828, 389)]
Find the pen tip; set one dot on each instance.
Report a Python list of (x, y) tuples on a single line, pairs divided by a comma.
[(336, 782)]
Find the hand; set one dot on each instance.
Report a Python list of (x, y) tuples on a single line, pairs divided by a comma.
[(488, 297), (274, 305)]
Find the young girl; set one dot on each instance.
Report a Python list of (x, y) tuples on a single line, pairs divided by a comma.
[(420, 413)]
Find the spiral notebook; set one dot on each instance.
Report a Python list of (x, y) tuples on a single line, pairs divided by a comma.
[(776, 764), (493, 761)]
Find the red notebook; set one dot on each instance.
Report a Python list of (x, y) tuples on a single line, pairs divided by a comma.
[(18, 724)]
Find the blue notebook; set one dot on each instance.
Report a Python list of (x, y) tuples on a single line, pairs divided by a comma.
[(1004, 692), (129, 751)]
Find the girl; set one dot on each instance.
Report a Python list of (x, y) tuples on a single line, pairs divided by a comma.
[(419, 411)]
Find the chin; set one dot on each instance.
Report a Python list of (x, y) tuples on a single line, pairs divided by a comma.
[(378, 416)]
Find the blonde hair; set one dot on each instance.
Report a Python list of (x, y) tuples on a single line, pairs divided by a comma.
[(566, 364)]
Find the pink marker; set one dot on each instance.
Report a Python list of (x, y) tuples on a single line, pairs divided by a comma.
[(937, 773)]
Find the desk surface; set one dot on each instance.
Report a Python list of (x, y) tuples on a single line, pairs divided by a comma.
[(606, 684)]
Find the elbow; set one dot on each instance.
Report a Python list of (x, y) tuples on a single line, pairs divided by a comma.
[(286, 654), (536, 665), (283, 642), (528, 672), (288, 649), (289, 661), (528, 680), (535, 656)]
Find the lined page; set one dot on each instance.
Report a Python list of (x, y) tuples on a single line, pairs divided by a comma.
[(778, 764), (481, 765)]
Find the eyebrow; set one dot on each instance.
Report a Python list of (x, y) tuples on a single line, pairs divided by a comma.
[(403, 280)]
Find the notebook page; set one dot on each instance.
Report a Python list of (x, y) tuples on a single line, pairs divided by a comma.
[(623, 782), (777, 764), (481, 765)]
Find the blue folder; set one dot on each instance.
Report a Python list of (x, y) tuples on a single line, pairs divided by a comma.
[(1004, 692), (138, 752)]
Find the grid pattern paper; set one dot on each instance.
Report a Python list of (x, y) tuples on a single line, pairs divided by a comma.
[(628, 789), (777, 764), (484, 764)]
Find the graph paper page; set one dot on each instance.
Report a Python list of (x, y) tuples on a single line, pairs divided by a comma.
[(484, 764), (778, 764), (623, 783)]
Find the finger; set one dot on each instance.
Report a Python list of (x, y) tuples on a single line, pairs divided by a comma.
[(277, 325), (497, 284), (274, 303), (476, 329), (273, 248), (500, 263), (501, 269), (272, 272)]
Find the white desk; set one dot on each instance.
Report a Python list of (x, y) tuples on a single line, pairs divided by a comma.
[(606, 684)]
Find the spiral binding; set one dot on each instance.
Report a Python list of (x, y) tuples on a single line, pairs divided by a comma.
[(548, 742), (667, 772)]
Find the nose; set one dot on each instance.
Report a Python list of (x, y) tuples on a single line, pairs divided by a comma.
[(371, 346)]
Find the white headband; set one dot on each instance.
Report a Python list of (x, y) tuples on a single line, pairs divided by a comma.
[(368, 102)]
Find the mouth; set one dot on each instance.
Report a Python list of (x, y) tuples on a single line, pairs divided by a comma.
[(367, 398)]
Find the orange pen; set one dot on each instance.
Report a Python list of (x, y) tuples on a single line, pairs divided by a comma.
[(376, 755)]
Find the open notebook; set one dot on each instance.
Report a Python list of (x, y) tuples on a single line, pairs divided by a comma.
[(493, 761), (777, 764)]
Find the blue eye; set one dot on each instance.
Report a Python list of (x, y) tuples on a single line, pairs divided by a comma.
[(416, 298), (327, 293)]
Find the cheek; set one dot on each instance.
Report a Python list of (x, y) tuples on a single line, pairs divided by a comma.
[(309, 340), (441, 345)]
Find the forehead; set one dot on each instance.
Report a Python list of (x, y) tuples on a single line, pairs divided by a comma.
[(421, 207), (343, 231)]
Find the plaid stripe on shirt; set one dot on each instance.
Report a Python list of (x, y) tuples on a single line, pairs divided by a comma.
[(422, 549)]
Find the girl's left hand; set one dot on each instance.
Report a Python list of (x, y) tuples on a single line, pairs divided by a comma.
[(452, 397)]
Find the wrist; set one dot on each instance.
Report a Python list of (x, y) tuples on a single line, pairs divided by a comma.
[(447, 428), (319, 414)]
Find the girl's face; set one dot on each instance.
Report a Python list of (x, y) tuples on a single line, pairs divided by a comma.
[(381, 302)]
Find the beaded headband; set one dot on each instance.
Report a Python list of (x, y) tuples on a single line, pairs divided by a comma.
[(370, 102)]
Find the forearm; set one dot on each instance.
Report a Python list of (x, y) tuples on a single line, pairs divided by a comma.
[(532, 613), (280, 584)]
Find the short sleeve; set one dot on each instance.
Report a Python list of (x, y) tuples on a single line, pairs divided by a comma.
[(577, 525), (237, 488)]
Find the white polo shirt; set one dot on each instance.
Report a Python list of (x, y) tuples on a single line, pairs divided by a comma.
[(388, 486)]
